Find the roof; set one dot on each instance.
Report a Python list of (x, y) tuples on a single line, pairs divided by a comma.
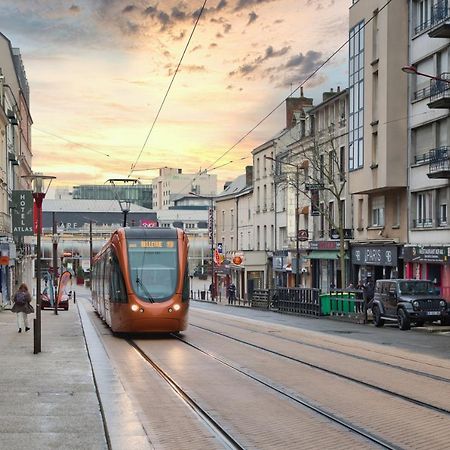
[(235, 187), (83, 206)]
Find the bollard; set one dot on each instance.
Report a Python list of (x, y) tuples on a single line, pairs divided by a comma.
[(74, 297)]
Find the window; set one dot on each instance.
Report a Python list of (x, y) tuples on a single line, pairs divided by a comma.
[(342, 163), (223, 220), (443, 214), (374, 148), (378, 211), (265, 237), (342, 211), (396, 215), (424, 202), (330, 216), (356, 94), (265, 197), (257, 238), (360, 213), (232, 219)]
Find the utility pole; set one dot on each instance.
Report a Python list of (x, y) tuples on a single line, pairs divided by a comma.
[(297, 245), (90, 249)]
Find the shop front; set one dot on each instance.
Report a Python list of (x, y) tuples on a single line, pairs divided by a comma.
[(376, 262), (281, 262), (429, 263), (325, 264)]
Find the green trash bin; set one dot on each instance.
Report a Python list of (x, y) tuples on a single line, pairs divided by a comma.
[(325, 304)]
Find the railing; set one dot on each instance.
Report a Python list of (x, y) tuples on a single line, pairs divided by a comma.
[(439, 159), (302, 301), (422, 93), (440, 88), (422, 223), (439, 12)]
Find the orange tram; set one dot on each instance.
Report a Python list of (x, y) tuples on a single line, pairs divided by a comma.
[(140, 280)]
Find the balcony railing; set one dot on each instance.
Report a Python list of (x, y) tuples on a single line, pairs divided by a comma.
[(440, 27), (440, 92), (439, 163), (422, 223)]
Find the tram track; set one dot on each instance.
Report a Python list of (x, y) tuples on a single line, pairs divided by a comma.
[(349, 355), (320, 368), (290, 396), (218, 431)]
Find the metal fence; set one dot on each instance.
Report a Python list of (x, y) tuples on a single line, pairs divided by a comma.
[(305, 301)]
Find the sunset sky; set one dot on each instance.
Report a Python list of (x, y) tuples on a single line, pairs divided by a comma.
[(98, 71)]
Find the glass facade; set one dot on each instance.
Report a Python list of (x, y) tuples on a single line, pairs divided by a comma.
[(356, 90), (140, 194)]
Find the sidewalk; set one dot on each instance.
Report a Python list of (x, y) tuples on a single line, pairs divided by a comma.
[(48, 400)]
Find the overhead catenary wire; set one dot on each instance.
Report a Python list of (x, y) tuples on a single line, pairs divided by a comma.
[(168, 89), (312, 74)]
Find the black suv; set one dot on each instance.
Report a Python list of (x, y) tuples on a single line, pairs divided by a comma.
[(408, 301)]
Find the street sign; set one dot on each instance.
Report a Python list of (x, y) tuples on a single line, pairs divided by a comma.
[(348, 233), (220, 247), (302, 235), (314, 186)]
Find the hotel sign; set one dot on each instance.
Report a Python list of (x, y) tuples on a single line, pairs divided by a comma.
[(22, 213)]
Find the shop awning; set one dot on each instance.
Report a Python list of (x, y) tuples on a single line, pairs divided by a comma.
[(324, 254)]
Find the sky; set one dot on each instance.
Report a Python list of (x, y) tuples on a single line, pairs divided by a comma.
[(98, 72)]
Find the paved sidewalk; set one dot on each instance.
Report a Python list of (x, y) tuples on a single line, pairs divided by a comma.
[(48, 400)]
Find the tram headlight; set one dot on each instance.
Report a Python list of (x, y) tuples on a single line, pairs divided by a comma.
[(176, 307), (134, 308)]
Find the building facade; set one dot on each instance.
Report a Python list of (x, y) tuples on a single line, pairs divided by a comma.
[(377, 140), (171, 183), (427, 254), (15, 162)]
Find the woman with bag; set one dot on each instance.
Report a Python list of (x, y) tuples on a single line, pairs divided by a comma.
[(22, 307)]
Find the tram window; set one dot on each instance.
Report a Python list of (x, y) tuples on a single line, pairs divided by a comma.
[(118, 293)]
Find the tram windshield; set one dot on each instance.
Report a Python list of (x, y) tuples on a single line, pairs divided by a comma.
[(153, 268)]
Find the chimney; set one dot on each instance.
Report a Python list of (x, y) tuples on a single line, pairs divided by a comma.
[(227, 183), (248, 175), (328, 95), (296, 104)]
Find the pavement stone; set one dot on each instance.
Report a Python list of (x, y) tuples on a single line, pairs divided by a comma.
[(48, 400)]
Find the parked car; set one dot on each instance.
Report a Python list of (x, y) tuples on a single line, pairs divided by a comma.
[(408, 301)]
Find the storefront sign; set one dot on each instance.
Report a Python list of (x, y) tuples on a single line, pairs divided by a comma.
[(324, 245), (375, 255), (424, 254), (348, 233), (22, 213), (302, 235)]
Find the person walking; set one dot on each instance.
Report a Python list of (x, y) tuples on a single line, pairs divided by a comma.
[(231, 293), (22, 307)]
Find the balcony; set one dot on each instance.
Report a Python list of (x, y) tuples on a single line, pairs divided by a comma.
[(440, 20), (439, 163), (440, 92), (422, 223)]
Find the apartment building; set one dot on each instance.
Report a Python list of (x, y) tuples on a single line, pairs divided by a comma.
[(377, 140), (234, 237), (324, 206), (15, 162), (427, 253), (171, 183)]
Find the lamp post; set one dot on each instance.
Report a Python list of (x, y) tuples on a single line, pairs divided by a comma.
[(125, 204), (38, 180), (55, 240), (297, 206), (211, 230)]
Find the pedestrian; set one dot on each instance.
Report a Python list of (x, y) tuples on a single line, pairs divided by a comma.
[(369, 290), (231, 293), (22, 307)]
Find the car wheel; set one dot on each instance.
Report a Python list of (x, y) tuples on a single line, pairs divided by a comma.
[(403, 320), (377, 320)]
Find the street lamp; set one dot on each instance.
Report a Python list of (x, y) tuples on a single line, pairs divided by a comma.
[(211, 226), (55, 240), (297, 192), (37, 181), (124, 203), (412, 70)]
